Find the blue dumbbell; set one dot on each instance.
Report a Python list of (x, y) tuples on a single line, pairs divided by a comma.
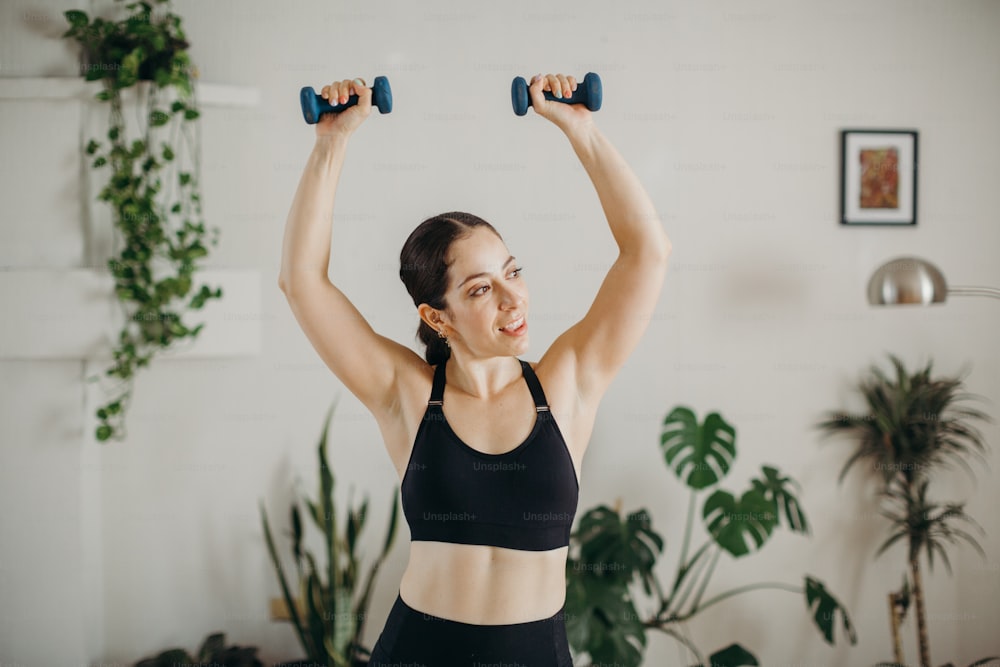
[(589, 94), (313, 104)]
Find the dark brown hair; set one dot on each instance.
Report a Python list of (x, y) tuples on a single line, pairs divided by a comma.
[(424, 271)]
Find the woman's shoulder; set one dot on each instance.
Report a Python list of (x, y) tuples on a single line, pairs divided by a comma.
[(415, 377), (551, 374)]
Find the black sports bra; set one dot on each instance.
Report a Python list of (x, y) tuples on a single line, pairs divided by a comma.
[(524, 498)]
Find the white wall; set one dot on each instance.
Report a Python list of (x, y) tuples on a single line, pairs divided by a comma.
[(728, 111)]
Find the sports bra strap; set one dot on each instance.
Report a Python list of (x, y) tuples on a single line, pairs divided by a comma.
[(437, 392), (535, 387)]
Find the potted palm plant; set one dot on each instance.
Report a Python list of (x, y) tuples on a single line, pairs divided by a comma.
[(914, 426)]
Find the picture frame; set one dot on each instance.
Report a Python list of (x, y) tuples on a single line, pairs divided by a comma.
[(878, 177)]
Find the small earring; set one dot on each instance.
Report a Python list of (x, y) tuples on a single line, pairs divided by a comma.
[(446, 341)]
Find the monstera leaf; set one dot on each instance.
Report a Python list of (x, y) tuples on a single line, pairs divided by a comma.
[(700, 455), (612, 548), (601, 619), (824, 608), (614, 551), (731, 521), (733, 655), (776, 489)]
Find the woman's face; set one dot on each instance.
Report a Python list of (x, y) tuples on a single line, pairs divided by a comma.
[(486, 293)]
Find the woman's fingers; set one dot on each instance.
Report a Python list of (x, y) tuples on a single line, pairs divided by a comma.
[(344, 120), (554, 85), (339, 91), (560, 85), (364, 93)]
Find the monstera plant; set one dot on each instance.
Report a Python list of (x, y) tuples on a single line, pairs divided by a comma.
[(613, 557)]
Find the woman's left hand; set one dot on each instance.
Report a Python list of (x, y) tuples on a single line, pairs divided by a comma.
[(567, 117)]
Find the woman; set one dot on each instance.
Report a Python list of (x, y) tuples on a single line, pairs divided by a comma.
[(489, 518)]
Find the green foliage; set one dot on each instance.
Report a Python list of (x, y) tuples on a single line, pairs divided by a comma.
[(732, 523), (329, 616), (925, 525), (213, 651), (700, 454), (610, 556), (777, 490), (733, 655), (613, 552), (914, 425), (161, 228), (825, 609)]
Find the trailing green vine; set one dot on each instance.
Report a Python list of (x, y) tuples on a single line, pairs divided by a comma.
[(161, 232)]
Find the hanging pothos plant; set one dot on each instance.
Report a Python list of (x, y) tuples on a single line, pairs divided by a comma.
[(155, 200)]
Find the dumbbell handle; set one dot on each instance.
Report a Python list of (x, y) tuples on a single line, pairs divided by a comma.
[(314, 105), (578, 96), (588, 92)]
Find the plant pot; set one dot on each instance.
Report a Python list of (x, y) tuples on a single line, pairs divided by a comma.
[(360, 662)]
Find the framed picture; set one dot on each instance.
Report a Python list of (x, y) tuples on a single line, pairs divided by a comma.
[(878, 177)]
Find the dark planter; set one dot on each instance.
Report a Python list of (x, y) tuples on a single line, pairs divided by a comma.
[(361, 662)]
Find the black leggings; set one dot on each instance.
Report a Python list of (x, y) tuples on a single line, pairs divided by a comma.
[(412, 638)]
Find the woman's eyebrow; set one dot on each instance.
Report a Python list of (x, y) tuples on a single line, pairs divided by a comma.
[(485, 273)]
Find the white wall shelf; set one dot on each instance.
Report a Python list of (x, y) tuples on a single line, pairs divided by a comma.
[(70, 88)]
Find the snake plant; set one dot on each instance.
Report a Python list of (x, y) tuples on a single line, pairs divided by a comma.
[(330, 612)]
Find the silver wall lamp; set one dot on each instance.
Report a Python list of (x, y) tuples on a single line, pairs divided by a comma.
[(911, 280)]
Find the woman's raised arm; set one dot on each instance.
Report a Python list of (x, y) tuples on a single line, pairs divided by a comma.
[(598, 345), (363, 360)]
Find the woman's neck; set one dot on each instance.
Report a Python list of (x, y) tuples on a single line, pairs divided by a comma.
[(482, 378)]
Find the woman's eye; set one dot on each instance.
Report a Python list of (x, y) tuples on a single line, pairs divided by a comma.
[(516, 273)]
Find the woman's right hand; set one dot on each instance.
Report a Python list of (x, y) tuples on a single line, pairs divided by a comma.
[(349, 119)]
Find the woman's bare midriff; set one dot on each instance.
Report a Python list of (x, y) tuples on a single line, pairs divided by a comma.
[(484, 585)]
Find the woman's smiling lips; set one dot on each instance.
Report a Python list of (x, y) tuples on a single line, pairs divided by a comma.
[(520, 327)]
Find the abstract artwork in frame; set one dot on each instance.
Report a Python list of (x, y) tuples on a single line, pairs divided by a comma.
[(878, 177)]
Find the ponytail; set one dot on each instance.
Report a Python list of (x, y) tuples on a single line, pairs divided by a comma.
[(437, 349)]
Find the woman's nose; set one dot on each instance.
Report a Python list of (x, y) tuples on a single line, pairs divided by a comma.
[(512, 297)]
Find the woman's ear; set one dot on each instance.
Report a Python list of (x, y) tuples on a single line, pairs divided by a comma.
[(431, 316)]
